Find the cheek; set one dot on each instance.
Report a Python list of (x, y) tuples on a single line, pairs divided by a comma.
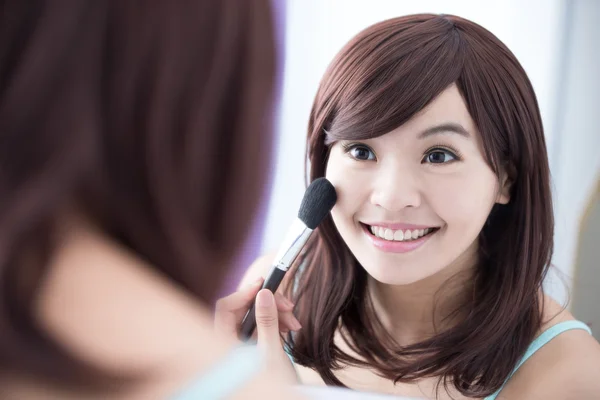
[(466, 197), (351, 190)]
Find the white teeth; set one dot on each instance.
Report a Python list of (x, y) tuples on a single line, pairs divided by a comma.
[(399, 235)]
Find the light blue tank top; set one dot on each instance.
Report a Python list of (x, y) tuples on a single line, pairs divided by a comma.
[(242, 364), (540, 341)]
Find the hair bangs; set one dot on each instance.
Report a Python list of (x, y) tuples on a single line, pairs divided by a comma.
[(395, 75)]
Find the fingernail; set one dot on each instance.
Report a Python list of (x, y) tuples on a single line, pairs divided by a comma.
[(288, 302), (297, 325), (264, 298)]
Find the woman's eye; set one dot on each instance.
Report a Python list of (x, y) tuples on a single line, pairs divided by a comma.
[(361, 153), (439, 156)]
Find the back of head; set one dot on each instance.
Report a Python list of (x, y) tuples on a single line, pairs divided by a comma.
[(151, 118)]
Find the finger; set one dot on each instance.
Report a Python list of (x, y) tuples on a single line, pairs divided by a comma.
[(252, 284), (288, 321), (226, 324), (283, 304), (267, 325), (239, 300)]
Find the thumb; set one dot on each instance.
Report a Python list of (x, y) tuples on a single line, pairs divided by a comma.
[(267, 327), (267, 324)]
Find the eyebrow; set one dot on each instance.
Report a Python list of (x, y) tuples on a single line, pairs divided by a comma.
[(449, 127)]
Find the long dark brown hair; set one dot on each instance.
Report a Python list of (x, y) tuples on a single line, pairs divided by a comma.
[(378, 81), (153, 117)]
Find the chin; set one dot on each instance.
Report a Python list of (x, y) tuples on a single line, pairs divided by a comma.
[(396, 275)]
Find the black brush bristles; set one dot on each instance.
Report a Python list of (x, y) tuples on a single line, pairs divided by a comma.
[(318, 200)]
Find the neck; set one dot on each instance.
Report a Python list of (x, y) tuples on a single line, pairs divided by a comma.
[(417, 311)]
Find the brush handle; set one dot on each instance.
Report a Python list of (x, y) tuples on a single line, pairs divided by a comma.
[(249, 322)]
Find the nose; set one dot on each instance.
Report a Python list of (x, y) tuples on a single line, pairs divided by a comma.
[(396, 188)]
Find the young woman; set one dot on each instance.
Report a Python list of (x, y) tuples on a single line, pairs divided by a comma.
[(131, 164), (427, 279)]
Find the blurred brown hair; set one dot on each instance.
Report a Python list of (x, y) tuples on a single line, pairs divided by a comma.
[(153, 117), (378, 81)]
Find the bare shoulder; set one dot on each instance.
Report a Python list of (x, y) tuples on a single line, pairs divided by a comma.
[(165, 335), (567, 367), (93, 286), (554, 313)]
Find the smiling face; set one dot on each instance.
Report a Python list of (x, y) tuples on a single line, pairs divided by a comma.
[(413, 201)]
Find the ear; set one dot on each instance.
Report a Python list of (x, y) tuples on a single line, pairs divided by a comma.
[(506, 182)]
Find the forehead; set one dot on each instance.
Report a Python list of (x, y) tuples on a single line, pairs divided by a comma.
[(447, 108)]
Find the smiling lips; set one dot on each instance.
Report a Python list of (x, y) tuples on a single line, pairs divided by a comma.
[(398, 238)]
